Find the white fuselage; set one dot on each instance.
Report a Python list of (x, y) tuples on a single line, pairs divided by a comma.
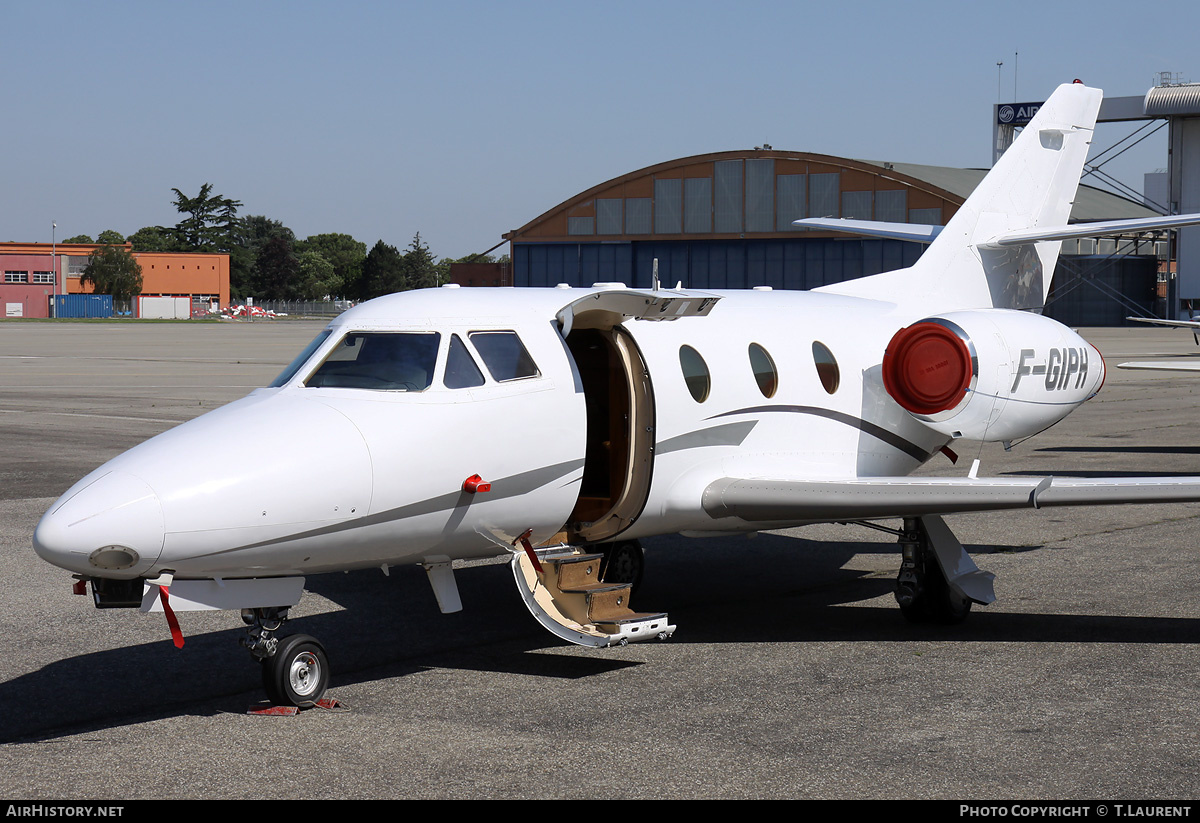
[(345, 478)]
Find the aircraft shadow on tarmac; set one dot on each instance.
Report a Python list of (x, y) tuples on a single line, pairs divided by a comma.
[(1122, 449), (773, 589), (1096, 473)]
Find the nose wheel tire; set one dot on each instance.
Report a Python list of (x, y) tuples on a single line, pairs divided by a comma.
[(298, 673)]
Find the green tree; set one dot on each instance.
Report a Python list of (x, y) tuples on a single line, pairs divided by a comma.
[(210, 222), (473, 258), (110, 238), (420, 267), (152, 238), (248, 237), (112, 270), (383, 272), (345, 254), (79, 238), (277, 271), (255, 229), (317, 277), (442, 271)]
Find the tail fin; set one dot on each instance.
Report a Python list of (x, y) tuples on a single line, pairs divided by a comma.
[(1032, 185)]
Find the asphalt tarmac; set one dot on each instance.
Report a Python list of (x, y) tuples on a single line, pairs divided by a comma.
[(791, 675)]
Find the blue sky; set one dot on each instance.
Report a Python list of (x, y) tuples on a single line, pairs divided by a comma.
[(462, 120)]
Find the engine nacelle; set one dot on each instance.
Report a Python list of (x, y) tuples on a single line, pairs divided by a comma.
[(990, 374)]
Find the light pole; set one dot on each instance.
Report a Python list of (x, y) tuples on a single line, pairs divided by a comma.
[(54, 268)]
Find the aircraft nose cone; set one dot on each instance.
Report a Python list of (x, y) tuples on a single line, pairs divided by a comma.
[(111, 527)]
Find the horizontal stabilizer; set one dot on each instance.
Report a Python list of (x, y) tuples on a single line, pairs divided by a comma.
[(776, 501), (916, 232), (1032, 186), (1101, 229)]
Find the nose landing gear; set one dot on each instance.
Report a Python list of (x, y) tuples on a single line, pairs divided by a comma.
[(298, 673), (295, 669)]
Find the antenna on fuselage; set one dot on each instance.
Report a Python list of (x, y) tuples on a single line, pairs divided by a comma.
[(654, 284)]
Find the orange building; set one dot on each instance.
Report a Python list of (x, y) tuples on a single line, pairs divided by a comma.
[(34, 272)]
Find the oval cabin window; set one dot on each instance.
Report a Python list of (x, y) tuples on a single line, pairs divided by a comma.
[(827, 367), (695, 373), (764, 370)]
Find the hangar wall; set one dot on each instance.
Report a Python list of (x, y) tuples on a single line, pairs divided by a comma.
[(723, 221), (737, 194), (711, 264)]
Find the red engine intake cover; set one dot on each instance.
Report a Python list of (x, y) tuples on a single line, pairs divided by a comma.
[(927, 368)]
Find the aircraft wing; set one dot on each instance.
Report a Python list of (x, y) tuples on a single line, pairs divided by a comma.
[(1175, 324), (919, 233), (1162, 365), (1099, 229), (760, 500)]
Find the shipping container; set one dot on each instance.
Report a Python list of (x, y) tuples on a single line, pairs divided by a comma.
[(164, 308), (83, 305)]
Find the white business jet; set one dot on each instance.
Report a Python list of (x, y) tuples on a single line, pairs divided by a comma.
[(562, 425)]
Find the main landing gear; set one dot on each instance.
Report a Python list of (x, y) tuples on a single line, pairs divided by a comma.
[(295, 669), (938, 580), (922, 590)]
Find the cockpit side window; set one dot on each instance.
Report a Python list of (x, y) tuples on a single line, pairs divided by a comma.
[(461, 371), (383, 361), (302, 358), (504, 355)]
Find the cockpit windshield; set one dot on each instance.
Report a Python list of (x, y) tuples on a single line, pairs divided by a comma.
[(302, 358), (383, 361)]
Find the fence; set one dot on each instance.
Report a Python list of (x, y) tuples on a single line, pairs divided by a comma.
[(302, 308)]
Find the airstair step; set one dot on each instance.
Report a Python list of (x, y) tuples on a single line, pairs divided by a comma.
[(576, 571), (567, 597), (634, 617), (608, 604), (639, 626)]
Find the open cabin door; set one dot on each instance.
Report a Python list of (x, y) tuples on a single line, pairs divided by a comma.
[(619, 397)]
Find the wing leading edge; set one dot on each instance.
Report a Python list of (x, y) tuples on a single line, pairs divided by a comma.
[(1174, 324), (919, 233), (781, 501), (1162, 365)]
